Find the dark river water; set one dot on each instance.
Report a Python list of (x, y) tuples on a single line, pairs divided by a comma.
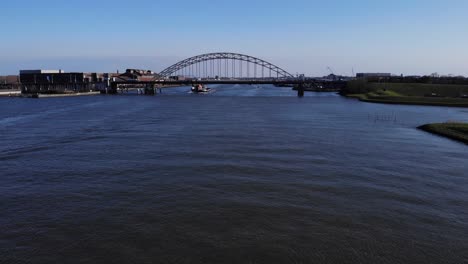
[(243, 175)]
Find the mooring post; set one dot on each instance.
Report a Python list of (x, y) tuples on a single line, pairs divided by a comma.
[(300, 90), (113, 89), (149, 90)]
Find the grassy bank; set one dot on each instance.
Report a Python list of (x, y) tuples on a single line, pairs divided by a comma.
[(410, 100), (411, 93), (456, 131)]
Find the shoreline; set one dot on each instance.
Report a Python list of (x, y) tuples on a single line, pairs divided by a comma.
[(410, 100), (58, 95), (10, 93), (428, 94), (454, 131)]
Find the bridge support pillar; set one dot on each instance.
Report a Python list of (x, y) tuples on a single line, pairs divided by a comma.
[(300, 90), (150, 90), (112, 89)]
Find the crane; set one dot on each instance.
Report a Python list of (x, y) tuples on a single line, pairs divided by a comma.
[(332, 75)]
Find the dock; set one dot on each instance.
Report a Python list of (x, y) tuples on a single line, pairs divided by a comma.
[(10, 93)]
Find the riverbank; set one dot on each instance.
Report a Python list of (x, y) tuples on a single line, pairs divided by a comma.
[(408, 93), (59, 95), (410, 100), (9, 93), (455, 131)]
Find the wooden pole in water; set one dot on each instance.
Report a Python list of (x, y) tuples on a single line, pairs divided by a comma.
[(300, 90)]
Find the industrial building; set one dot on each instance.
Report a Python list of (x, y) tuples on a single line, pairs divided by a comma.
[(9, 82), (58, 81), (138, 75)]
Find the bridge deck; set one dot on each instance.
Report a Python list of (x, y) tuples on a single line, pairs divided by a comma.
[(212, 81)]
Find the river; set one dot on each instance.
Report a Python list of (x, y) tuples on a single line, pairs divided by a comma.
[(247, 174)]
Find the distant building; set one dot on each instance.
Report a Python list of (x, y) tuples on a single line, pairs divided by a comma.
[(58, 81), (9, 79), (9, 82), (44, 77), (138, 75), (177, 78), (373, 75)]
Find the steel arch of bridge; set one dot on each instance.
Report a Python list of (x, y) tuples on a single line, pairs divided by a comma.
[(224, 56)]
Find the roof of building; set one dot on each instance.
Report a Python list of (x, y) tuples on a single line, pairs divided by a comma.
[(40, 71)]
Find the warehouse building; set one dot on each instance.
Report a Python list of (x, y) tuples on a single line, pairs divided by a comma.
[(58, 81)]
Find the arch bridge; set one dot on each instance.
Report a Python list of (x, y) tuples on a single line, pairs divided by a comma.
[(225, 65), (221, 68)]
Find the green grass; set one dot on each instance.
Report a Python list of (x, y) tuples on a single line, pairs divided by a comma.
[(417, 100), (421, 89), (456, 131), (408, 93), (374, 97), (357, 96)]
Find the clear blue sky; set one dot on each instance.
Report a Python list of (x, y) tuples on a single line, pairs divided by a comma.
[(305, 36)]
